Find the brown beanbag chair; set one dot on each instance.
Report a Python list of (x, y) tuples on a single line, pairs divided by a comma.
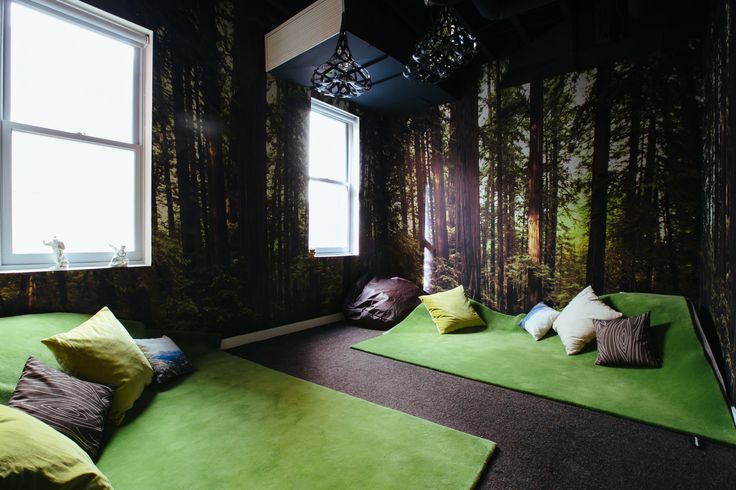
[(383, 303)]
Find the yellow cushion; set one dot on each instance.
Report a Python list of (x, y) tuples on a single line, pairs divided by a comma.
[(451, 310), (33, 455), (102, 351)]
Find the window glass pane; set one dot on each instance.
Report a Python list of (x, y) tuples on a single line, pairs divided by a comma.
[(328, 147), (69, 78), (80, 192), (328, 215)]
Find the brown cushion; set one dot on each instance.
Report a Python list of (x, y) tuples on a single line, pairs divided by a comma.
[(73, 407), (625, 342)]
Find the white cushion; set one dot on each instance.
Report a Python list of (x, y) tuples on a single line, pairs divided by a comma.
[(539, 320), (575, 323)]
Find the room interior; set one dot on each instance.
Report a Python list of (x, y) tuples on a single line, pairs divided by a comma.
[(514, 269)]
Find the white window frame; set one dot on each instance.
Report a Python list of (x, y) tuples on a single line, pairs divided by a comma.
[(109, 25), (352, 183)]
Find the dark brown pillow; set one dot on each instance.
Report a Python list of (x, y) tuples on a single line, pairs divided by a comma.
[(74, 407), (625, 342)]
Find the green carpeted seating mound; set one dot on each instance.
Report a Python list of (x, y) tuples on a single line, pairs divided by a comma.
[(682, 395), (236, 424)]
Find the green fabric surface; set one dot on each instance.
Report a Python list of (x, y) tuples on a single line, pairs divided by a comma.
[(682, 395), (34, 455), (20, 337), (237, 424)]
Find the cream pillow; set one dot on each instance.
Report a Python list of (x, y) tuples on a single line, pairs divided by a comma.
[(575, 323)]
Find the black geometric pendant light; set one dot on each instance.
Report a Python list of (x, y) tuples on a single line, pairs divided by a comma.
[(341, 76), (447, 47)]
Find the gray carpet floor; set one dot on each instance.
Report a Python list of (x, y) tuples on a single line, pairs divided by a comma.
[(541, 443)]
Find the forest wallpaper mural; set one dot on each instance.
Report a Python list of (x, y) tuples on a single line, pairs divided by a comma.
[(532, 192), (521, 194), (718, 266), (229, 170)]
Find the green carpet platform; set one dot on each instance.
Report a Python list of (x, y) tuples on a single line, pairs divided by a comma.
[(237, 424), (683, 394)]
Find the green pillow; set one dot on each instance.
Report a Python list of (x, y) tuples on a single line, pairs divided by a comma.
[(33, 455), (101, 350), (451, 310)]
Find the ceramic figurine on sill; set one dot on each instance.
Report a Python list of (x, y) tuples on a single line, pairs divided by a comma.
[(62, 262), (120, 257)]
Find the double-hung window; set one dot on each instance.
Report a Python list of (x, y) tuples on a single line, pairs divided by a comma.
[(333, 181), (76, 135)]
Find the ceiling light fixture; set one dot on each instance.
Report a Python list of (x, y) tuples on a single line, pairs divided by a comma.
[(341, 76), (447, 47)]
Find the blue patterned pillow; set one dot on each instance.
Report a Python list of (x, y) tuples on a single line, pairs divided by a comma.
[(539, 320), (165, 357)]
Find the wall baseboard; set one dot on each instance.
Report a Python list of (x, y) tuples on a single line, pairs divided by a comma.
[(269, 333)]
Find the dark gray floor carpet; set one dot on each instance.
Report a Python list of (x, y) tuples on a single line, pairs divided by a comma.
[(541, 443)]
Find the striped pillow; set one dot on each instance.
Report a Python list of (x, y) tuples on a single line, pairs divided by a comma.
[(625, 342), (73, 407)]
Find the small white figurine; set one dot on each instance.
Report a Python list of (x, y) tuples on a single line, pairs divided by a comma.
[(120, 257), (62, 262)]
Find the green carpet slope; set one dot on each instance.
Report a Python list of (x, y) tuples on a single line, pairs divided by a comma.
[(236, 424), (682, 395), (241, 425)]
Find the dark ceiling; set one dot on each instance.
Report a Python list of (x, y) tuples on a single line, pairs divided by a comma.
[(540, 38)]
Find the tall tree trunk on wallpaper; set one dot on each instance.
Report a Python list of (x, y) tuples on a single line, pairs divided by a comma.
[(163, 61), (465, 115), (213, 129), (201, 163), (104, 287), (649, 208), (62, 291), (30, 292), (535, 190), (553, 179), (411, 184), (510, 235), (287, 216), (500, 187), (164, 116), (631, 208), (421, 183), (441, 245), (183, 130), (669, 238), (248, 147), (599, 181), (24, 282), (404, 199), (295, 180)]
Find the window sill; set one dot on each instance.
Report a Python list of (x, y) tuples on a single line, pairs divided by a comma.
[(334, 254), (20, 269)]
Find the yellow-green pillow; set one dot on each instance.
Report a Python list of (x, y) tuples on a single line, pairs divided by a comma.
[(451, 310), (102, 351), (33, 455)]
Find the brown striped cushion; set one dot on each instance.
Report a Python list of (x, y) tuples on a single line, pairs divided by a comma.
[(625, 342), (74, 407)]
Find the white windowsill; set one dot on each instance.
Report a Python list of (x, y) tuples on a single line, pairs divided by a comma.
[(20, 269)]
